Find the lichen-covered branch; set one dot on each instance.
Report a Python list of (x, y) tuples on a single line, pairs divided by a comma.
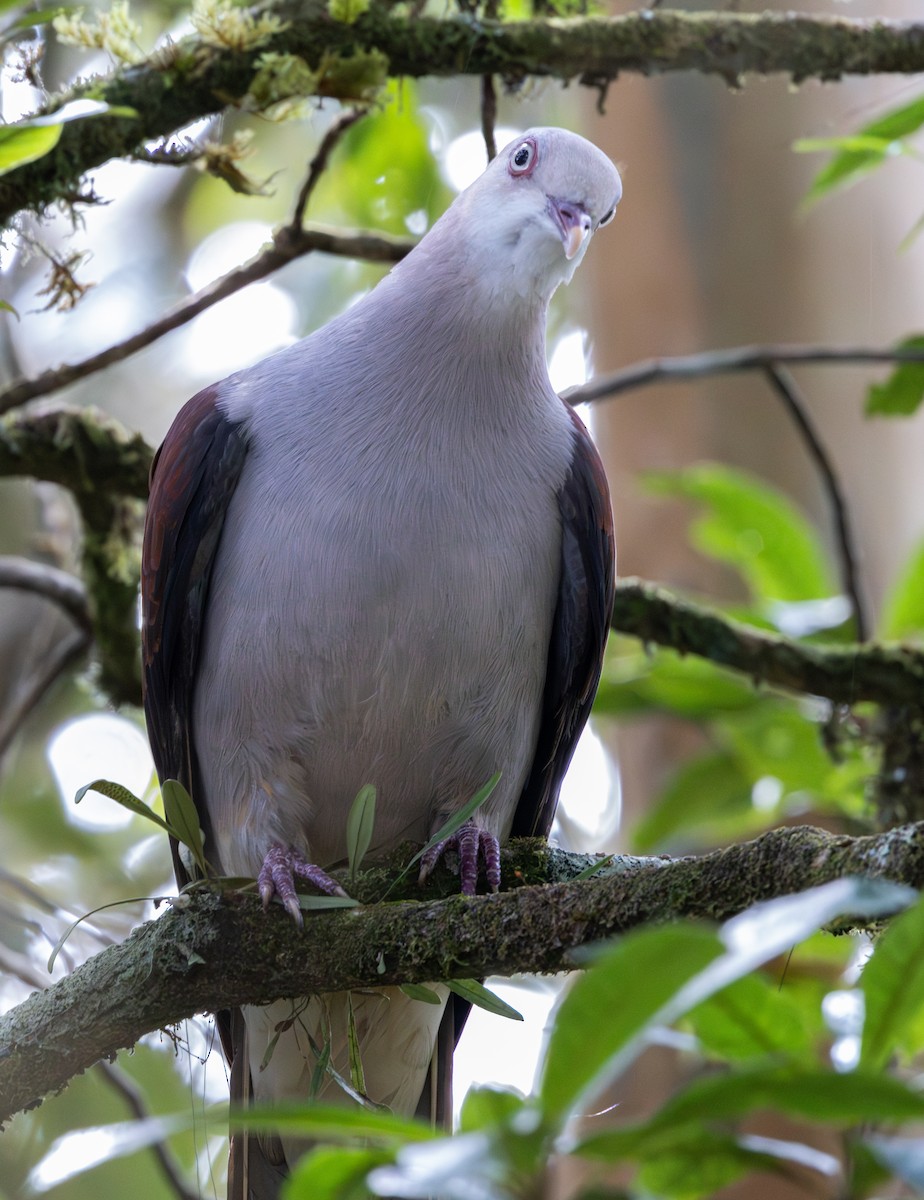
[(842, 674), (198, 80), (223, 950)]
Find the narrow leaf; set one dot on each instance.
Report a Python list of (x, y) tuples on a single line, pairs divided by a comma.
[(417, 991), (332, 1123), (183, 820), (360, 824), (59, 944), (127, 799), (357, 1075), (310, 902), (456, 821), (476, 993), (5, 306)]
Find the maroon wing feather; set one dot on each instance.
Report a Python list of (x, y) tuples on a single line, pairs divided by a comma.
[(193, 477), (579, 630)]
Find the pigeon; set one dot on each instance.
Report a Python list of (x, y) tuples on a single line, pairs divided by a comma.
[(384, 556)]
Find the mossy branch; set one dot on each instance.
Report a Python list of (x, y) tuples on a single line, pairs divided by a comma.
[(195, 80), (843, 674), (218, 951)]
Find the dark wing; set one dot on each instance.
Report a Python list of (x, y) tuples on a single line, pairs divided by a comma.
[(579, 630), (193, 477)]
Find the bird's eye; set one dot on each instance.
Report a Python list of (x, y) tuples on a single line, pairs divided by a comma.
[(605, 220), (523, 158)]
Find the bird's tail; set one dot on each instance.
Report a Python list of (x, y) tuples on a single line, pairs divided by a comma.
[(378, 1046)]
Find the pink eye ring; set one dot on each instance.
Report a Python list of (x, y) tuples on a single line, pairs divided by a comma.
[(523, 159)]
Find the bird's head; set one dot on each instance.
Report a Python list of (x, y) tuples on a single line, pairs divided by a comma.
[(529, 217)]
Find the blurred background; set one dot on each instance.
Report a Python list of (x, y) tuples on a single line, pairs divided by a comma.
[(713, 492)]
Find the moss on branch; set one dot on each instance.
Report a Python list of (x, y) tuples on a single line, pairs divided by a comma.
[(843, 674), (216, 951), (198, 80)]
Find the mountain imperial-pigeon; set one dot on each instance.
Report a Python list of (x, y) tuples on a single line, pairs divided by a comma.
[(384, 555)]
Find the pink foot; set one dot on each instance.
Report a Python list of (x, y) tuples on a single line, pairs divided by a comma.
[(277, 878), (468, 842)]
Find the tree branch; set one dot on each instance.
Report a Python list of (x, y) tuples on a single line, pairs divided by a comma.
[(217, 951), (842, 674), (195, 80), (59, 587), (681, 367), (288, 244), (785, 387)]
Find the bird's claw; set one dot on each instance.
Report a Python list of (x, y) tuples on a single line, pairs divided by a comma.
[(469, 842), (277, 878)]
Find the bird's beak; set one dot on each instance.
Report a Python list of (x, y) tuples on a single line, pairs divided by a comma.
[(573, 223)]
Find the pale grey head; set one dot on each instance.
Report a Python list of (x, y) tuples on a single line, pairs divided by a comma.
[(527, 220)]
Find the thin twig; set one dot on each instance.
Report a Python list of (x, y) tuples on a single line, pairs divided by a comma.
[(287, 245), (321, 159), (785, 386), (489, 115), (722, 362), (60, 587), (123, 1086), (55, 663)]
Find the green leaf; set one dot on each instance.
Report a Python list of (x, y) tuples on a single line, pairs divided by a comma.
[(812, 1093), (5, 306), (901, 394), (360, 824), (751, 1019), (860, 153), (357, 1074), (457, 820), (581, 1046), (681, 967), (183, 820), (127, 799), (25, 141), (311, 903), (99, 1145), (903, 607), (331, 1123), (489, 1106), (476, 993), (635, 681), (755, 529), (334, 1173), (417, 991), (703, 790), (347, 11), (29, 20), (892, 984)]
